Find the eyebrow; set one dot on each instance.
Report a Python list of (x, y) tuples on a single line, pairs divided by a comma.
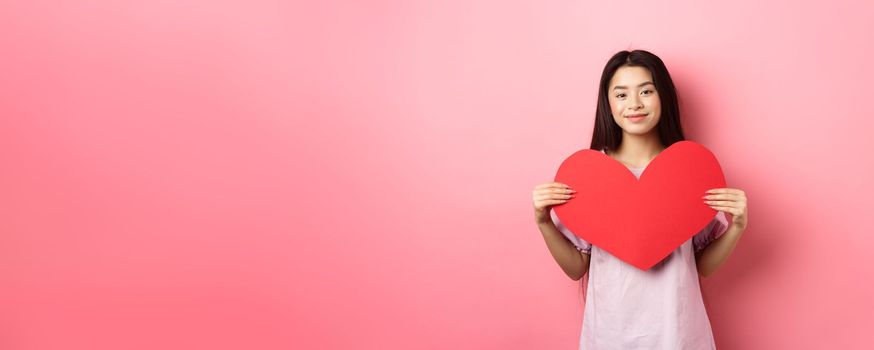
[(624, 87)]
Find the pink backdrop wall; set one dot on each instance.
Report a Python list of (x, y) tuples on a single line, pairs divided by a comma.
[(264, 175)]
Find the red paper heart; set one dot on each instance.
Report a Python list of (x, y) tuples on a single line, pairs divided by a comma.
[(640, 222)]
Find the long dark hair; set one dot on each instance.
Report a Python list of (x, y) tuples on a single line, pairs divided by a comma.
[(607, 134)]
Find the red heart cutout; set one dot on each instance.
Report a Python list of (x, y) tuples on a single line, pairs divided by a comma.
[(639, 221)]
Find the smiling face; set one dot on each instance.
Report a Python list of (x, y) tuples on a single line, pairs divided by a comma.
[(632, 93)]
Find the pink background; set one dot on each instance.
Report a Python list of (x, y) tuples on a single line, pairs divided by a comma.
[(328, 175)]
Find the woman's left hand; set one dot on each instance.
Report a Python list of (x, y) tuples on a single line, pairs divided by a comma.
[(730, 200)]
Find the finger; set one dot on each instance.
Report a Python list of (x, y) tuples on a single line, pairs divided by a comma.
[(563, 190), (724, 190), (555, 190), (726, 196), (552, 191), (721, 203), (729, 210), (543, 191), (551, 196), (552, 185), (555, 202), (547, 185), (554, 196)]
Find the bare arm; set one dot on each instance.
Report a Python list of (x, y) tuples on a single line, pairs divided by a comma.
[(574, 263), (734, 202), (715, 254)]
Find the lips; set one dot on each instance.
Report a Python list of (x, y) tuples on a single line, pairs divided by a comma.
[(635, 115)]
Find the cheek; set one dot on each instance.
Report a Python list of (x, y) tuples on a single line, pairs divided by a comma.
[(617, 112), (656, 102), (615, 107)]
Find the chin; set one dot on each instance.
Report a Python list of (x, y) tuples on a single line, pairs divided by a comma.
[(636, 130)]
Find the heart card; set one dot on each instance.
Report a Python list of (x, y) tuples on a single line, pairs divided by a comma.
[(639, 221)]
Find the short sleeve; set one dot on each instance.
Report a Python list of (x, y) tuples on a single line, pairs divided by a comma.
[(578, 242), (711, 232)]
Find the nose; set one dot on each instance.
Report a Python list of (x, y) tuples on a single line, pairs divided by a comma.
[(634, 103)]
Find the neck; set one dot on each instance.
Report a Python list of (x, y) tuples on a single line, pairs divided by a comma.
[(639, 150)]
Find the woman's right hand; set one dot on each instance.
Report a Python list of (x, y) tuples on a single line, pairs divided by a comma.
[(548, 194)]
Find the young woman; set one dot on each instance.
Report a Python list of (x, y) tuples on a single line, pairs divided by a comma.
[(637, 117)]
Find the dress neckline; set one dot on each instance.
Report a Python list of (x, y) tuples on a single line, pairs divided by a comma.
[(623, 163)]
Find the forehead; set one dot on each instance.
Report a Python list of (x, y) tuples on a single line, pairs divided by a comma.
[(630, 76)]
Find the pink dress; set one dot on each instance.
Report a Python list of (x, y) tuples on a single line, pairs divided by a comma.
[(662, 308)]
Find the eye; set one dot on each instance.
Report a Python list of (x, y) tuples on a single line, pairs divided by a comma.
[(620, 95), (650, 91)]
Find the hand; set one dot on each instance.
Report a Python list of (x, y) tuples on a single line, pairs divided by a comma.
[(731, 200), (548, 194)]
